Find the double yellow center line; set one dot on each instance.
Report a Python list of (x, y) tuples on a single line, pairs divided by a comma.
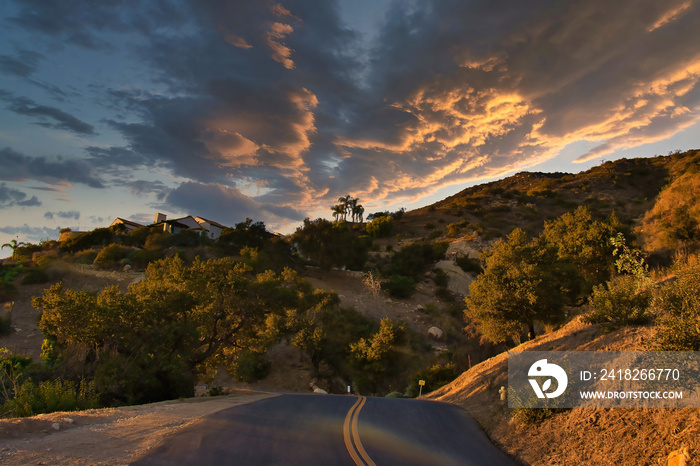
[(352, 436)]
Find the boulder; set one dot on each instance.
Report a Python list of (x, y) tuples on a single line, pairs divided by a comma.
[(458, 279), (435, 332)]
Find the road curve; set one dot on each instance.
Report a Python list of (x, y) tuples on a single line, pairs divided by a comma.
[(331, 430)]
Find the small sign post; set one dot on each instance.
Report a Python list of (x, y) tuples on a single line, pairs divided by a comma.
[(421, 383)]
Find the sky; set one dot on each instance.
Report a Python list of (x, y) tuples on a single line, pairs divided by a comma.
[(273, 110)]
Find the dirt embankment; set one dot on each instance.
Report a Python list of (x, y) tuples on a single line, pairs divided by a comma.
[(621, 437)]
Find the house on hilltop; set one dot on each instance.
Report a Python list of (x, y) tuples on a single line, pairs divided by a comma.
[(129, 226), (199, 225), (176, 225), (212, 228)]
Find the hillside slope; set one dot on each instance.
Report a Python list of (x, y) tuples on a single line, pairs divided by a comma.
[(633, 437)]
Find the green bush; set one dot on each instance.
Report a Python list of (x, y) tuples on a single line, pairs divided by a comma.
[(380, 227), (142, 257), (679, 306), (34, 276), (365, 240), (619, 302), (441, 279), (86, 256), (400, 286), (111, 256), (5, 326), (469, 265), (10, 272), (8, 291), (251, 366), (413, 259), (434, 235), (434, 377), (96, 237), (54, 395), (454, 229)]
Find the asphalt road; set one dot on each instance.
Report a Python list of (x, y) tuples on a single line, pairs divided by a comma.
[(299, 429)]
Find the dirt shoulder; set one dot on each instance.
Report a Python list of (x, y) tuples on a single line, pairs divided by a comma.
[(621, 437), (114, 436)]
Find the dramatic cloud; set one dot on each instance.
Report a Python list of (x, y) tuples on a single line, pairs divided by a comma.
[(226, 205), (24, 64), (274, 109), (18, 167), (49, 117), (10, 197)]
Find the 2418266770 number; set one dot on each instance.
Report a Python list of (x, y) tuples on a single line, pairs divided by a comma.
[(639, 374)]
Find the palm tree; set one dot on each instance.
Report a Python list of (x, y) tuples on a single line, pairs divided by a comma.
[(13, 244), (352, 208), (337, 210), (358, 212), (344, 201)]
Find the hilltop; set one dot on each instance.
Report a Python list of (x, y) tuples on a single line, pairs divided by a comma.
[(379, 304)]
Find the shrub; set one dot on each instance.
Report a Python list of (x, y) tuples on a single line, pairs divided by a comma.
[(330, 244), (434, 235), (679, 304), (619, 302), (380, 227), (34, 276), (111, 256), (434, 377), (5, 326), (9, 273), (365, 240), (96, 237), (441, 279), (454, 229), (400, 286), (469, 265), (251, 366), (157, 240), (8, 291), (142, 257), (53, 395), (86, 256), (413, 259), (45, 260)]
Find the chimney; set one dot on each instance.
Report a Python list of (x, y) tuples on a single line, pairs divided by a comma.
[(160, 218)]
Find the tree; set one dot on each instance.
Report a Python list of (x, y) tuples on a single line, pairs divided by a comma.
[(179, 323), (325, 331), (13, 245), (329, 244), (348, 206), (380, 227), (585, 242), (522, 283), (374, 356), (338, 212), (358, 213), (344, 203)]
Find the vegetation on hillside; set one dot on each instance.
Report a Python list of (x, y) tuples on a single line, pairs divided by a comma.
[(552, 246)]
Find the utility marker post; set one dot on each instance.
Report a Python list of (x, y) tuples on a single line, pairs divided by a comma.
[(421, 383)]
